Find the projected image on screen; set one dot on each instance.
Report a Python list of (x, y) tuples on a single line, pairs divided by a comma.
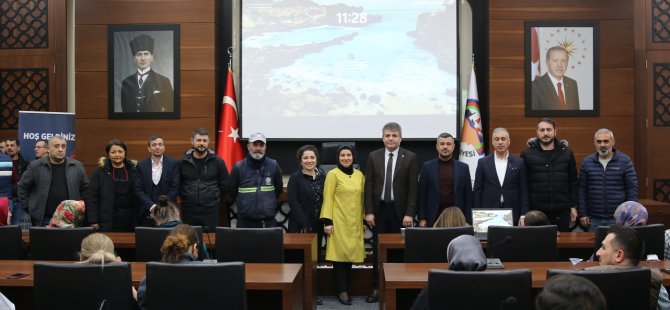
[(343, 68)]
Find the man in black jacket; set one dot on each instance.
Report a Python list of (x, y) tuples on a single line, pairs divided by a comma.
[(202, 182), (552, 176)]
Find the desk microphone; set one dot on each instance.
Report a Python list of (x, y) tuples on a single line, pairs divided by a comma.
[(508, 239)]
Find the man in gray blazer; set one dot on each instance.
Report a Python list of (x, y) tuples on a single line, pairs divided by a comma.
[(391, 185)]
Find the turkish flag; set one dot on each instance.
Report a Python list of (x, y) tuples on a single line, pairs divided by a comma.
[(228, 145), (535, 68)]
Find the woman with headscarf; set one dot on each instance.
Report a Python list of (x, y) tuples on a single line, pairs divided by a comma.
[(69, 214), (631, 213), (342, 214), (464, 253)]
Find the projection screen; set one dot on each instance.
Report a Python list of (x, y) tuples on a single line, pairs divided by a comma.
[(341, 69)]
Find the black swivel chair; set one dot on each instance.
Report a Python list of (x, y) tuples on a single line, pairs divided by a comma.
[(57, 243), (328, 156), (11, 243), (653, 236), (250, 245), (480, 290), (148, 242), (196, 286), (83, 286), (622, 288), (429, 245), (523, 244)]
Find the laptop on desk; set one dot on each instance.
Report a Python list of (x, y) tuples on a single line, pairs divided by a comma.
[(483, 218)]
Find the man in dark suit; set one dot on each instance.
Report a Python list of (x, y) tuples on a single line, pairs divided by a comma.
[(554, 90), (155, 176), (444, 182), (145, 90), (391, 177), (501, 180)]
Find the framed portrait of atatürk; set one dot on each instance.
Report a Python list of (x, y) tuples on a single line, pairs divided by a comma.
[(561, 68), (143, 71)]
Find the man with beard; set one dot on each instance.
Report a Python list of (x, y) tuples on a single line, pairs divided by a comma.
[(552, 175), (202, 182), (606, 179), (255, 184)]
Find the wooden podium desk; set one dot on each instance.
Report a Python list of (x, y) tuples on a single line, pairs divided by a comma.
[(394, 242), (286, 278), (415, 275), (306, 243)]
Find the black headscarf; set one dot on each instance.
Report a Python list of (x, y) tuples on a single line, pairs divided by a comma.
[(465, 253), (350, 169)]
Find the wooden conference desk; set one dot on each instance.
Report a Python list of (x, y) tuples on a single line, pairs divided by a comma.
[(286, 278), (306, 243), (395, 243), (415, 275)]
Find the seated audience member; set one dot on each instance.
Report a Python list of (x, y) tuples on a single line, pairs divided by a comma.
[(536, 218), (566, 291), (451, 217), (623, 248), (631, 213), (179, 247), (166, 213), (98, 249), (464, 253), (68, 214)]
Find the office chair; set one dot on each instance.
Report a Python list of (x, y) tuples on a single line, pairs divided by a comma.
[(83, 286), (196, 286), (622, 288), (11, 243), (57, 243), (480, 290), (523, 243), (149, 240), (250, 245), (429, 245)]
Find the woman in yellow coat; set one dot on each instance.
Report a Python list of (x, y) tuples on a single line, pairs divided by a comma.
[(342, 214)]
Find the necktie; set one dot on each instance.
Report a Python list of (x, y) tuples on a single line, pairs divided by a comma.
[(141, 81), (389, 180), (561, 97)]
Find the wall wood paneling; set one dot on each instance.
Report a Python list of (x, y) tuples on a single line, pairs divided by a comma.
[(198, 30)]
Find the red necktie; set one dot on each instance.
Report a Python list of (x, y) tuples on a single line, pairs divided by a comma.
[(561, 97)]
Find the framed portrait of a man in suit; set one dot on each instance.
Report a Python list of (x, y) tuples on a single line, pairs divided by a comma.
[(143, 71), (561, 68)]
